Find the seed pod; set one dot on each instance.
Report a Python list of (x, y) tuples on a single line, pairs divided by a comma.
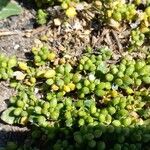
[(50, 73)]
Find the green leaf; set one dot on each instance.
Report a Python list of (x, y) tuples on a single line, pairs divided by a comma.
[(9, 10), (6, 115), (102, 67)]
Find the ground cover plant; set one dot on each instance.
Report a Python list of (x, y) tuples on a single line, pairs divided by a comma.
[(95, 100)]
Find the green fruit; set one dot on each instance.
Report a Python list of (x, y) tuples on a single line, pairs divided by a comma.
[(67, 68), (109, 77), (60, 83), (101, 145), (53, 102), (107, 85), (51, 56), (50, 73), (117, 16), (129, 71), (146, 79), (122, 67), (119, 81), (92, 143), (116, 123), (100, 86), (49, 81), (139, 64), (37, 59), (12, 62), (41, 120), (120, 74), (86, 82), (79, 86), (93, 109), (147, 10), (138, 82), (114, 70), (78, 138), (17, 111), (127, 80), (102, 118), (60, 69), (100, 92), (20, 103), (81, 122), (85, 90), (37, 109), (97, 133), (126, 121), (54, 115), (76, 77), (111, 110)]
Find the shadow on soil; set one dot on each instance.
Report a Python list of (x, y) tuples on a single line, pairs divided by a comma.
[(86, 137)]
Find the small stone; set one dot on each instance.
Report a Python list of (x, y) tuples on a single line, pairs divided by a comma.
[(57, 22), (16, 47)]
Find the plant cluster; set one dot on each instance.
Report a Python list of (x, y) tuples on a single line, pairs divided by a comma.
[(55, 93)]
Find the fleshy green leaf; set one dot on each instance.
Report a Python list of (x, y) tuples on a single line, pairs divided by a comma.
[(9, 9), (6, 116)]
